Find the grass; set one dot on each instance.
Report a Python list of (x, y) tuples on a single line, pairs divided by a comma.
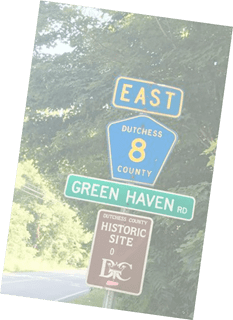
[(34, 265), (94, 298)]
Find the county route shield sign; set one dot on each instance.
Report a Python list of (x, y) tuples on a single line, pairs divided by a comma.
[(138, 149)]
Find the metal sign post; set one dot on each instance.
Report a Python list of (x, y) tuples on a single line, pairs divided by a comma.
[(109, 296), (108, 299)]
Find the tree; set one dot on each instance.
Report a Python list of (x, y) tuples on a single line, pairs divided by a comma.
[(19, 236), (47, 227), (68, 108)]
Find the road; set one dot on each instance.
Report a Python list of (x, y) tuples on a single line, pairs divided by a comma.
[(53, 286)]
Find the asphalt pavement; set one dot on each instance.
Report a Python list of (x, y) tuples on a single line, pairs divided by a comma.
[(53, 286)]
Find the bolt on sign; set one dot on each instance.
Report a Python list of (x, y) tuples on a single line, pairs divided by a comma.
[(119, 252), (147, 96), (139, 148)]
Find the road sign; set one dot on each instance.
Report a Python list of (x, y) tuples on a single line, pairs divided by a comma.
[(138, 149), (128, 196), (119, 252), (147, 96)]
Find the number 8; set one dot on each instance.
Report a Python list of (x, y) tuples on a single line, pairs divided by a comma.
[(139, 149)]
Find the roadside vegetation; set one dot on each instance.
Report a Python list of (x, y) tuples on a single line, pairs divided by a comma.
[(44, 233), (94, 298), (33, 265)]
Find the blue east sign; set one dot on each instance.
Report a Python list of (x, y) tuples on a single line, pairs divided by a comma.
[(138, 149), (148, 97)]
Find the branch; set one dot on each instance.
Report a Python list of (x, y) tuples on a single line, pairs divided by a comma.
[(164, 32)]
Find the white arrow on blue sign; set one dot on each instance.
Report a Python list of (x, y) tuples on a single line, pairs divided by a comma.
[(138, 149)]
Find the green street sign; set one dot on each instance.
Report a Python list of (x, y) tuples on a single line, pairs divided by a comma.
[(130, 196)]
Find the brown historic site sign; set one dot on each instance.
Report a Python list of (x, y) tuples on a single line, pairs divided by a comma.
[(119, 252)]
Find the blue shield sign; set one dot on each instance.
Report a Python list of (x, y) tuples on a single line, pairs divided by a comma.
[(138, 149), (148, 97)]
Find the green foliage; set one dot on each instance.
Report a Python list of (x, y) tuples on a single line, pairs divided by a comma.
[(68, 108), (94, 298), (42, 225), (18, 237), (191, 251), (33, 264), (211, 152)]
